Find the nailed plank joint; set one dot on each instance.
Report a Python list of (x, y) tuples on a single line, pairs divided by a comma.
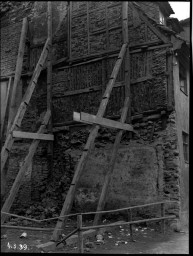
[(34, 136), (91, 119)]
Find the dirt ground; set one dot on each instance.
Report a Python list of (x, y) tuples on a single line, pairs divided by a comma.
[(147, 240)]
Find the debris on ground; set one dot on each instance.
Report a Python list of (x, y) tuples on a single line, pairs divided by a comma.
[(100, 239), (89, 244), (23, 235)]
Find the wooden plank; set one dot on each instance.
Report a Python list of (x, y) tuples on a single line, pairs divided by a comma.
[(19, 65), (92, 119), (148, 23), (127, 56), (49, 85), (111, 164), (151, 48), (25, 165), (21, 111), (88, 26), (34, 136), (98, 88), (49, 60), (80, 234), (89, 144), (70, 27)]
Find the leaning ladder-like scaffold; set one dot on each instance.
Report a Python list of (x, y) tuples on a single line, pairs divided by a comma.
[(15, 123), (98, 121)]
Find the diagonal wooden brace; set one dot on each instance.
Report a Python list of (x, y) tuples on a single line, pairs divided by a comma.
[(25, 165)]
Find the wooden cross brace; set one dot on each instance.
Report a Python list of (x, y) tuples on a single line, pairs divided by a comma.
[(92, 119)]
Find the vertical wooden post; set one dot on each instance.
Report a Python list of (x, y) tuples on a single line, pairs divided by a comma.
[(49, 85), (130, 225), (70, 22), (88, 23), (80, 235), (162, 215), (127, 56), (18, 70)]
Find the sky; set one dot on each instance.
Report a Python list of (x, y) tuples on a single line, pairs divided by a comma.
[(181, 9)]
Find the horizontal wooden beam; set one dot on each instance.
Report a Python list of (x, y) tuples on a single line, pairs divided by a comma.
[(98, 88), (151, 48), (34, 136), (91, 119)]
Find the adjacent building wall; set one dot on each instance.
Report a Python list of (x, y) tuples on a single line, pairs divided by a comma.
[(182, 120)]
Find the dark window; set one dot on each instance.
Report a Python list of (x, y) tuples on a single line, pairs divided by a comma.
[(183, 79), (185, 138)]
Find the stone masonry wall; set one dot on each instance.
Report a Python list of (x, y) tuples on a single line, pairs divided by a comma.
[(10, 37), (147, 168), (154, 156)]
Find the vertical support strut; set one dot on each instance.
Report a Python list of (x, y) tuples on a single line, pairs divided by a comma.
[(49, 86), (111, 165), (127, 56)]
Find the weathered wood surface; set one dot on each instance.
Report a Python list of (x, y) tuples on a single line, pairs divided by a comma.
[(18, 70), (49, 85), (23, 106), (34, 136), (89, 144), (127, 56), (80, 234), (27, 162), (92, 119), (111, 164)]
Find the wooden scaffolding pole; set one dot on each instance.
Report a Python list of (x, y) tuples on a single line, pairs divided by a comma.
[(18, 70), (127, 56), (126, 109), (71, 192), (111, 165), (23, 106), (49, 86), (25, 165)]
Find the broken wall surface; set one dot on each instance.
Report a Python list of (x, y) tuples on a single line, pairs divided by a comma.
[(80, 88)]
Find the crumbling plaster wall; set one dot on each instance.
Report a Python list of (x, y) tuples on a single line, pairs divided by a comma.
[(164, 178)]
